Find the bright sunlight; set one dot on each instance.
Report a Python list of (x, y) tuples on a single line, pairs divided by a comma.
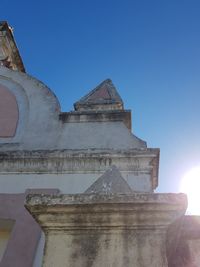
[(191, 186)]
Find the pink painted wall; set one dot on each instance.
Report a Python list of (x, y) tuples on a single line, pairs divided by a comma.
[(25, 235), (9, 113)]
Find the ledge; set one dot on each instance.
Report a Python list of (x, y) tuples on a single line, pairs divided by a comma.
[(97, 116), (91, 211)]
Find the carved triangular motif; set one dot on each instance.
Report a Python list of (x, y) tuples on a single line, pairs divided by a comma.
[(111, 182)]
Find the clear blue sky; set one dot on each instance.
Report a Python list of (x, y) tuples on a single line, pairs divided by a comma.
[(150, 49)]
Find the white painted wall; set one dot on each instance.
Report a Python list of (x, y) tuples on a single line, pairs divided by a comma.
[(66, 183), (39, 128)]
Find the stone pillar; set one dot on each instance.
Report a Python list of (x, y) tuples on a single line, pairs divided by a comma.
[(106, 230)]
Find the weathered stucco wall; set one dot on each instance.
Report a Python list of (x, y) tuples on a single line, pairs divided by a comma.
[(106, 230), (86, 142), (42, 147), (183, 242), (74, 172), (40, 121), (68, 151)]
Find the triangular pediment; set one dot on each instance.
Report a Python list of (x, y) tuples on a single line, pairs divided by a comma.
[(104, 96), (111, 182)]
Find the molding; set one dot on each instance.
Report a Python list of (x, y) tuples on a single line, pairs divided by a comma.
[(97, 116), (80, 161)]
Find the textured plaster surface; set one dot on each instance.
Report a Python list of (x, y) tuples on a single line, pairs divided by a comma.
[(168, 200), (95, 249), (183, 242), (75, 171), (106, 230), (69, 151), (39, 112), (41, 129), (194, 246), (98, 116), (66, 183)]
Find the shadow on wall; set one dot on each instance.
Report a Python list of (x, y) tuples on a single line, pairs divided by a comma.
[(183, 242), (6, 226)]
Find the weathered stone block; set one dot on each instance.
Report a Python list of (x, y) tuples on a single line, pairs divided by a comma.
[(106, 230)]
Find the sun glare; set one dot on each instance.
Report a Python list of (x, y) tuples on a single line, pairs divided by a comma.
[(190, 185)]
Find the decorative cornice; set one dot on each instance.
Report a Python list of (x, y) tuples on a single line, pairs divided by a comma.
[(115, 211), (97, 116)]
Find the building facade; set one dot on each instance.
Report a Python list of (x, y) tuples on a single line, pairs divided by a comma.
[(49, 152)]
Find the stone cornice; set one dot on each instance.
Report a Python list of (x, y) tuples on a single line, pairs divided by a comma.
[(97, 116), (77, 153), (87, 161), (133, 211)]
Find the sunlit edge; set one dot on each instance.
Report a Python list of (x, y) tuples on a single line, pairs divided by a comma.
[(190, 185)]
